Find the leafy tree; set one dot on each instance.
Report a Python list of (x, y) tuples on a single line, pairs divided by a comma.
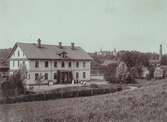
[(121, 70), (164, 60), (13, 85)]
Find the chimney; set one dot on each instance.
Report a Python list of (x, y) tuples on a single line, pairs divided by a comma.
[(39, 43), (60, 44), (73, 45), (160, 52)]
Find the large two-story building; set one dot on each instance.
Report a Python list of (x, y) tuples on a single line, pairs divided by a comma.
[(55, 63)]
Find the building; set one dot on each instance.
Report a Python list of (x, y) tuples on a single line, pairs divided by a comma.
[(4, 64), (4, 68), (50, 63), (110, 62), (158, 73), (145, 72), (107, 53)]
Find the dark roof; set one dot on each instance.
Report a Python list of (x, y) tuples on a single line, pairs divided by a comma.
[(32, 51), (4, 54), (154, 61)]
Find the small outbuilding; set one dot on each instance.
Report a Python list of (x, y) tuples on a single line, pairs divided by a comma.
[(158, 73)]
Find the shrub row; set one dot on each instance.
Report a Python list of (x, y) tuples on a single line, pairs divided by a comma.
[(58, 95)]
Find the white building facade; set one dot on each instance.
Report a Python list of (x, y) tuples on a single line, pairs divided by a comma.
[(57, 64)]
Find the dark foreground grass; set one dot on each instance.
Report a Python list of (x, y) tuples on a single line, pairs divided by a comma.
[(141, 105)]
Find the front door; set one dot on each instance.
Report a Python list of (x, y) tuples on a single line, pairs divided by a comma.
[(64, 77)]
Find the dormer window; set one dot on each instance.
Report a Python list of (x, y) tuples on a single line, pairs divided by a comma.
[(63, 54)]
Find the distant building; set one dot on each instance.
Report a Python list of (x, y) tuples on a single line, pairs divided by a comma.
[(158, 73), (160, 53), (145, 72), (107, 53), (56, 63), (109, 62), (4, 64), (4, 68), (154, 62)]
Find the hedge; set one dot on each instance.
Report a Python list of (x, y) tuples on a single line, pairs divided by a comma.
[(59, 94)]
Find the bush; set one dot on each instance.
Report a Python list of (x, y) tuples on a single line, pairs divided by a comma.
[(63, 93), (130, 79), (114, 80), (13, 86), (93, 85)]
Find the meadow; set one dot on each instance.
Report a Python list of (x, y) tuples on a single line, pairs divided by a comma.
[(144, 104)]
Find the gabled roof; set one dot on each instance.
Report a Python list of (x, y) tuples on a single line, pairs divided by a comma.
[(32, 51)]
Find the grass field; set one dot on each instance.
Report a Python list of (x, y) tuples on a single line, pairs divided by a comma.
[(145, 104)]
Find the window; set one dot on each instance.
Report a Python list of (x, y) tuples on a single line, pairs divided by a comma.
[(18, 53), (36, 64), (13, 63), (29, 76), (62, 64), (55, 64), (46, 64), (36, 76), (46, 76), (77, 64), (77, 75), (69, 64), (23, 63), (55, 76), (84, 64), (84, 75), (18, 63)]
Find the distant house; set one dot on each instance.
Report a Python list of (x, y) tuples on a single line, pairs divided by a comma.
[(154, 62), (4, 64), (109, 62), (4, 68), (104, 53), (55, 63), (164, 68), (158, 73), (145, 72)]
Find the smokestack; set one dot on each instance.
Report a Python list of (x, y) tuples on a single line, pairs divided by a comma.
[(160, 52), (60, 44), (39, 43), (72, 45)]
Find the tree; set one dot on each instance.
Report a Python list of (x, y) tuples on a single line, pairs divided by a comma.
[(134, 58), (164, 60), (13, 85), (121, 70)]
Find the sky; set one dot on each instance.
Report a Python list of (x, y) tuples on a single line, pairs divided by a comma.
[(92, 24)]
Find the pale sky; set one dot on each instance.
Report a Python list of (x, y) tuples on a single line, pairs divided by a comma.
[(93, 24)]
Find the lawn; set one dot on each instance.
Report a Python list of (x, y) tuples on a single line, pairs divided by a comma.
[(144, 104)]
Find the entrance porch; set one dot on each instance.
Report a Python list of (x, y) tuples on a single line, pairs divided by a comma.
[(64, 77)]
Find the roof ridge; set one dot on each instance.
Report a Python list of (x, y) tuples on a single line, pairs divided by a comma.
[(46, 44)]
